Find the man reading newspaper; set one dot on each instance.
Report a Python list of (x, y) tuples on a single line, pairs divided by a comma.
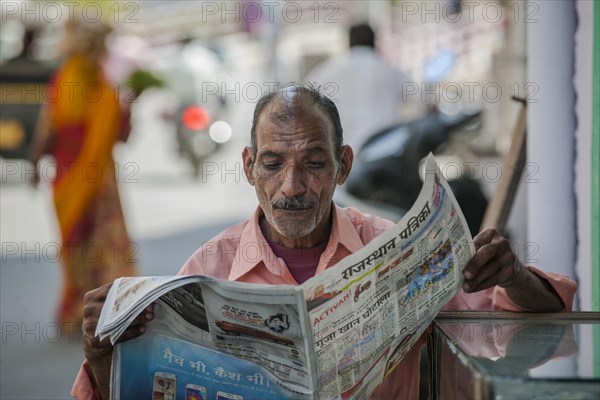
[(295, 161)]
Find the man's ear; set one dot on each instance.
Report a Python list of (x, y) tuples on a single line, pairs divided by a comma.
[(346, 160), (248, 159)]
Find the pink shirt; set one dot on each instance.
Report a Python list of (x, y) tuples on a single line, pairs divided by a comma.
[(241, 253)]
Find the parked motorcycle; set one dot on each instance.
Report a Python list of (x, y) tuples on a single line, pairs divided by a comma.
[(386, 171), (386, 168)]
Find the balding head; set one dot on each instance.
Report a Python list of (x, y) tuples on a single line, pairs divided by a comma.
[(288, 103)]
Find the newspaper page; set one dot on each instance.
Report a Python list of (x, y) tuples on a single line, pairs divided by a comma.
[(128, 297), (368, 311), (217, 339)]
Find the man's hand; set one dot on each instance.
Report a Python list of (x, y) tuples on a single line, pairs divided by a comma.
[(494, 263), (97, 352)]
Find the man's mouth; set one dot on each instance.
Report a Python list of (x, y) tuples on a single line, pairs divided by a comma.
[(293, 204)]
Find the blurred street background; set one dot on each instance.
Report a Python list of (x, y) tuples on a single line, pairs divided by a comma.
[(215, 60)]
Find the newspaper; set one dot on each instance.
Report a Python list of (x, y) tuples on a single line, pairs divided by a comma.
[(337, 336)]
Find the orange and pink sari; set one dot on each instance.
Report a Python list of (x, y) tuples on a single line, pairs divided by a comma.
[(86, 117)]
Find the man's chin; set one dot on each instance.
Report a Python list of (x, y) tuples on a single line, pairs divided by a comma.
[(293, 231)]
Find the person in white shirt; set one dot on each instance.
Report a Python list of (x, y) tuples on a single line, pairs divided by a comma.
[(368, 91)]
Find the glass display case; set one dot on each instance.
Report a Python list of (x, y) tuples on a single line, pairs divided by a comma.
[(502, 355)]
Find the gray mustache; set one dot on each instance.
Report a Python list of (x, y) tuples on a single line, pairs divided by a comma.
[(293, 203)]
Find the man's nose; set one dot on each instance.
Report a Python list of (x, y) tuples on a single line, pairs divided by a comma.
[(293, 184)]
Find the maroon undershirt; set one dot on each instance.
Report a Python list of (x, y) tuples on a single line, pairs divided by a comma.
[(302, 263)]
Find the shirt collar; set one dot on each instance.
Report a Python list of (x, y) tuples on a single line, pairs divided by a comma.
[(343, 232), (254, 249)]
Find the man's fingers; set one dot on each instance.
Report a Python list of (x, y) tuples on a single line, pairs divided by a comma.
[(103, 346), (492, 273), (139, 322), (136, 328), (481, 275), (488, 280), (96, 348), (97, 344), (138, 325), (494, 263), (94, 301), (484, 237), (481, 257), (131, 333), (97, 295), (145, 316), (471, 287)]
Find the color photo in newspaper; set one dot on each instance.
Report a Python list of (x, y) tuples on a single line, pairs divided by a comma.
[(368, 311)]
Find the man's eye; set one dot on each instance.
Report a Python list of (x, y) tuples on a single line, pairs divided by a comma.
[(315, 164), (271, 166)]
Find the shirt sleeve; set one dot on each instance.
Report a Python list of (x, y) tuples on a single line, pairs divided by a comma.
[(496, 298), (82, 387), (564, 287)]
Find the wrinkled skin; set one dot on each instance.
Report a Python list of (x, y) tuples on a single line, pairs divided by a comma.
[(295, 172), (494, 263)]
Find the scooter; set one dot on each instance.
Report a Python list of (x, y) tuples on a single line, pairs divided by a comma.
[(386, 170), (198, 134), (198, 117)]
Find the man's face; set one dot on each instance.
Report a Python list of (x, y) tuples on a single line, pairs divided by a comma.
[(295, 172)]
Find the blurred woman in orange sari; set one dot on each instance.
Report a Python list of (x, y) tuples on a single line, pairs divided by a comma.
[(79, 126)]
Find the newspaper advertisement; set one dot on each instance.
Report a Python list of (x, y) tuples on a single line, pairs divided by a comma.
[(369, 310), (337, 336), (225, 340)]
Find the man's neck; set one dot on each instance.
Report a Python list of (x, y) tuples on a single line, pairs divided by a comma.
[(302, 263)]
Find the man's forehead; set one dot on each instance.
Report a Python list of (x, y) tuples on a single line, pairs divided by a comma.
[(312, 135), (290, 111)]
